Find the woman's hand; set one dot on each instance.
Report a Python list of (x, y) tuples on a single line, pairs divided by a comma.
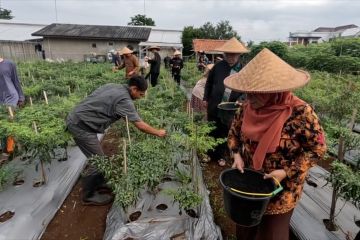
[(238, 162), (279, 174)]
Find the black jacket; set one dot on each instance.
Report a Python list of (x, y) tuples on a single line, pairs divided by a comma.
[(214, 88), (155, 63), (176, 64)]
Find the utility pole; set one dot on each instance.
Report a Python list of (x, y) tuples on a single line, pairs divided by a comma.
[(56, 16), (144, 9)]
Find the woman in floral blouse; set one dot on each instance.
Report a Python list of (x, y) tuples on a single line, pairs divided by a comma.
[(276, 133)]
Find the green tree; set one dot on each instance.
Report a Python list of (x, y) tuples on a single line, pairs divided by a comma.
[(141, 20), (222, 30), (189, 33), (5, 14), (208, 30), (225, 31)]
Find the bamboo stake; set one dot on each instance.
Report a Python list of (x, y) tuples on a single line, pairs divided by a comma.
[(127, 128), (353, 118), (46, 99), (69, 90), (35, 127), (125, 159), (43, 174), (31, 102), (11, 113)]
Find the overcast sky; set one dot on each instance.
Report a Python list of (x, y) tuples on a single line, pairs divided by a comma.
[(257, 20)]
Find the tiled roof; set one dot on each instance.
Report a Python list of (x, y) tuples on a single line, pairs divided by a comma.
[(207, 45), (94, 32)]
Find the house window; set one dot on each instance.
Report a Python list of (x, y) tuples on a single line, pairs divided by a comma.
[(94, 45), (111, 43)]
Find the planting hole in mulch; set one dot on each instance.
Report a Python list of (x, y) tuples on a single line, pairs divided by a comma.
[(38, 183), (311, 183), (191, 213), (62, 159), (161, 207), (24, 158), (180, 236), (135, 216), (6, 216), (18, 182), (166, 179), (185, 162), (330, 226), (357, 222)]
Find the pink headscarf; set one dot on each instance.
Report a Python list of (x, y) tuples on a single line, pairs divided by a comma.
[(264, 125)]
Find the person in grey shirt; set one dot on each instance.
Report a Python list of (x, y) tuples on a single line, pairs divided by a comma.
[(93, 115), (11, 93)]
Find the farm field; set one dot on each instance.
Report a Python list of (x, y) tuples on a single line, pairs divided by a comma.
[(53, 89)]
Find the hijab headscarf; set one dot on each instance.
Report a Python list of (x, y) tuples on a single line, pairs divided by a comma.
[(264, 125)]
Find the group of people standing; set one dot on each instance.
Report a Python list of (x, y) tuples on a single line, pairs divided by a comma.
[(132, 67), (273, 131)]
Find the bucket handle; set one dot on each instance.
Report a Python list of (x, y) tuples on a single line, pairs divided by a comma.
[(276, 191)]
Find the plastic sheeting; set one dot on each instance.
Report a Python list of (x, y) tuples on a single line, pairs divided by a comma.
[(154, 224), (314, 206), (34, 207)]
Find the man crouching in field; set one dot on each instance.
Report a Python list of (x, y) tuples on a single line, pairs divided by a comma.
[(93, 115)]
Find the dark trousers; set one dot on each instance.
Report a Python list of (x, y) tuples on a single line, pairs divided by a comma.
[(89, 144), (154, 78), (220, 131), (272, 227), (176, 75)]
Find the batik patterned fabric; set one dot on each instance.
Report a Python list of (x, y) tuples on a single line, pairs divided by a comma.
[(301, 145)]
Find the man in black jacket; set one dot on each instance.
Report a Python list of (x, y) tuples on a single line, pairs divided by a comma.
[(176, 64), (215, 92), (155, 65)]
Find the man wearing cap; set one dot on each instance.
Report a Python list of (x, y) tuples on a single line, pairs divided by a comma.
[(130, 63), (176, 64), (215, 91), (275, 133), (93, 115), (155, 63)]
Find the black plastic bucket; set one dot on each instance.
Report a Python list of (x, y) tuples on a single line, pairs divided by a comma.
[(226, 112), (246, 195)]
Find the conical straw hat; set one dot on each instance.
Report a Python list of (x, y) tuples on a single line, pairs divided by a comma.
[(154, 47), (267, 73), (177, 52), (232, 46), (125, 50)]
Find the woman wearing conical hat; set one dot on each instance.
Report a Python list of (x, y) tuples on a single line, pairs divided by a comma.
[(130, 63), (215, 92), (197, 93), (275, 133)]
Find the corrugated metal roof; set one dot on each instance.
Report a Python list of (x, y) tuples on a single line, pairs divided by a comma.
[(335, 29), (165, 36), (95, 32), (207, 45), (12, 31), (162, 44), (352, 32)]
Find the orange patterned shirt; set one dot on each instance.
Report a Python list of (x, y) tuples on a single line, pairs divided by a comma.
[(302, 144)]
